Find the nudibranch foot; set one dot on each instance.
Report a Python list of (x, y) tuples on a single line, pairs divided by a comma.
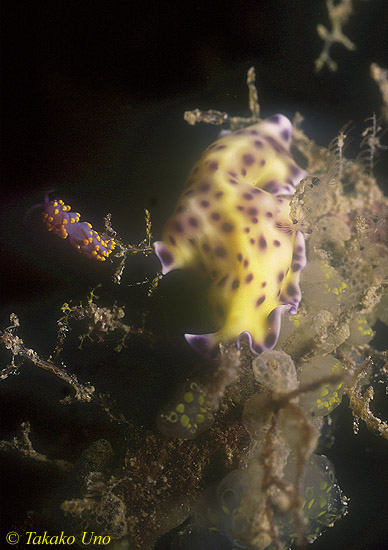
[(230, 225)]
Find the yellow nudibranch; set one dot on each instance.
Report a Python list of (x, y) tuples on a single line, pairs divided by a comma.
[(230, 223), (62, 222)]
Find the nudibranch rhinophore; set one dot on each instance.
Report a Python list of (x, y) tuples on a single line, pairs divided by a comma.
[(62, 222), (230, 222)]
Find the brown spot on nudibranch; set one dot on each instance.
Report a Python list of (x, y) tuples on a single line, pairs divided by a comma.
[(222, 281), (248, 159), (215, 216), (204, 187), (291, 290), (220, 252), (260, 300), (262, 242), (235, 284), (227, 227)]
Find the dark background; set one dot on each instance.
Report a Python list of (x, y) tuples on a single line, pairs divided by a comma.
[(93, 95)]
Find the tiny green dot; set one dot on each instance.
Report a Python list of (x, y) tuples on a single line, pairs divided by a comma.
[(188, 397), (185, 420)]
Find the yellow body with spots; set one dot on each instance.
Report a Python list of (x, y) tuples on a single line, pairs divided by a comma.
[(231, 224)]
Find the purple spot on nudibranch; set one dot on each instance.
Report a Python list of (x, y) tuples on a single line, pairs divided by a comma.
[(189, 192), (192, 242), (220, 147), (262, 242), (214, 274), (235, 284), (285, 135), (172, 240), (248, 159), (297, 257), (262, 162), (299, 248), (233, 174), (227, 227), (254, 132), (291, 290), (213, 166), (296, 267), (276, 243), (254, 220), (263, 284), (269, 214), (253, 211), (243, 172), (215, 216), (295, 170), (204, 187), (178, 227), (280, 276), (276, 145), (218, 194), (249, 278), (193, 222), (240, 207), (256, 191), (257, 143), (260, 300), (220, 252), (246, 263), (271, 186), (247, 229), (179, 210), (195, 170), (252, 241), (275, 119), (205, 204), (239, 257), (233, 182), (247, 196), (222, 281), (205, 247)]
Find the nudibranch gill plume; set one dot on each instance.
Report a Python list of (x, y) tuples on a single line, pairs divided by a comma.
[(231, 223)]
